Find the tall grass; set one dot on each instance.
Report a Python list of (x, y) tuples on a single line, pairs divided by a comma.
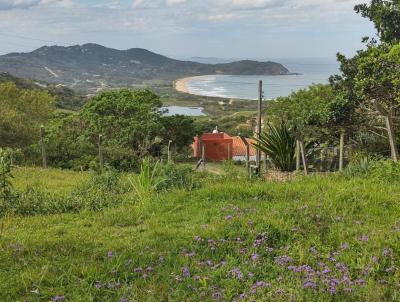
[(146, 183)]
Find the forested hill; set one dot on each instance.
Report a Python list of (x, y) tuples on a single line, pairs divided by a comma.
[(66, 98), (91, 67)]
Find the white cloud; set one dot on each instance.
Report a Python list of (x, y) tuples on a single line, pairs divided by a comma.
[(13, 4)]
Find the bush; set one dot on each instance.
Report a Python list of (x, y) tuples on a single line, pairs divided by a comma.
[(178, 176), (6, 189), (99, 192), (378, 170)]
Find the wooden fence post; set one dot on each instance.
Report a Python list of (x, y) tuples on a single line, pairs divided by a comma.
[(101, 161), (341, 150), (304, 157), (203, 154), (244, 140), (298, 155), (169, 152), (43, 147)]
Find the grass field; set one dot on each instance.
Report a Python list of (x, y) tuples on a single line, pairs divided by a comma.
[(312, 239)]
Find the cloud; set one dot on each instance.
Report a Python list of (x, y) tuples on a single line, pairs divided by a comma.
[(13, 4), (182, 26)]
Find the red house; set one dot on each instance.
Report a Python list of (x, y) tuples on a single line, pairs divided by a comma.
[(219, 146)]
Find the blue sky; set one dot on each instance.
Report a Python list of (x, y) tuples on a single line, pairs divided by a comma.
[(186, 28)]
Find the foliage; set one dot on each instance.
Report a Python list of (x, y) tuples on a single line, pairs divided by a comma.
[(385, 171), (280, 145), (6, 188), (177, 177), (148, 181), (100, 191), (126, 118), (310, 112), (320, 238), (179, 129), (21, 114), (385, 14)]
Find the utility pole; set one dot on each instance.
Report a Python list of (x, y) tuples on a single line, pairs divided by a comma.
[(259, 119), (43, 147)]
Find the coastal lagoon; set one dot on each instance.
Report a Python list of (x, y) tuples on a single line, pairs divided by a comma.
[(181, 110), (246, 87)]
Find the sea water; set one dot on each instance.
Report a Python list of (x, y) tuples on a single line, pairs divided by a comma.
[(308, 71)]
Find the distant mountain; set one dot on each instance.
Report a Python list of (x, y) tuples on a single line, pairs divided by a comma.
[(211, 60), (92, 67)]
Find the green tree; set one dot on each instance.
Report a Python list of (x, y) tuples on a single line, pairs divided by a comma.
[(125, 118), (22, 111), (385, 14), (179, 129)]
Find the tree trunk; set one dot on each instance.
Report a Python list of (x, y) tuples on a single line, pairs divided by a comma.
[(304, 158), (341, 150), (392, 137), (390, 129)]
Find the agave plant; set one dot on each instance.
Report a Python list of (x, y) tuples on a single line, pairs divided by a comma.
[(148, 180), (279, 143)]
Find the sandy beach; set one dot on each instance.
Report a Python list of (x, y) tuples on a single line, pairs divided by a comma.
[(181, 85)]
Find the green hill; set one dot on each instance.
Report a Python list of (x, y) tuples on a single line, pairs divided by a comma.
[(92, 67)]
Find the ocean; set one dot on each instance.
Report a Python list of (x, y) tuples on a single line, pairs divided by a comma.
[(311, 71)]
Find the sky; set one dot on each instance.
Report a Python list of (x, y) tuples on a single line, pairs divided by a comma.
[(187, 28)]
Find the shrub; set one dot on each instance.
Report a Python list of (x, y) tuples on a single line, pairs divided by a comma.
[(99, 192), (6, 189), (177, 176)]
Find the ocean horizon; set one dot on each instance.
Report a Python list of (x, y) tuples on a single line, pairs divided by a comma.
[(307, 72)]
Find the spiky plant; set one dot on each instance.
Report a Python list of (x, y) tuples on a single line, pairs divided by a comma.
[(148, 180), (279, 143)]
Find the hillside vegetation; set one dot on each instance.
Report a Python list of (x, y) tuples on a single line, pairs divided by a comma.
[(312, 239)]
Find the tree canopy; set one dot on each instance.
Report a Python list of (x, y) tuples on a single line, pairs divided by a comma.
[(22, 111)]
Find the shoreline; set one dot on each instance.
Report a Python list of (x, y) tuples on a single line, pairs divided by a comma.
[(181, 85)]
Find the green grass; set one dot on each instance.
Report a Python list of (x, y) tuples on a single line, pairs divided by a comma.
[(198, 245), (51, 180)]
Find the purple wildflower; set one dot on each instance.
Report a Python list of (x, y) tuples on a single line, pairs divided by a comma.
[(229, 217), (309, 284), (242, 296), (186, 272), (254, 257), (262, 284), (138, 270), (344, 246), (364, 238), (123, 300), (236, 273), (387, 252), (269, 249), (283, 260), (58, 298), (110, 254), (161, 259), (361, 282), (243, 250)]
